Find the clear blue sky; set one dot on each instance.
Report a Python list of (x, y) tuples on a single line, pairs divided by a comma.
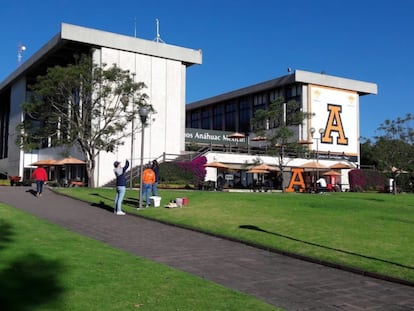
[(247, 41)]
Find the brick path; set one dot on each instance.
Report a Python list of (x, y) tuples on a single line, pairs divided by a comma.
[(279, 280)]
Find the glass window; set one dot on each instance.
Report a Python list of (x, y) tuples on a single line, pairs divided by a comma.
[(206, 119), (230, 117), (244, 115), (218, 113)]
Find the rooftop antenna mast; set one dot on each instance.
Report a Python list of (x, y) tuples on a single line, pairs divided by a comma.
[(158, 38), (135, 27), (20, 49)]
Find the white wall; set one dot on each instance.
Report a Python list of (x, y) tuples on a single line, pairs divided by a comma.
[(165, 82)]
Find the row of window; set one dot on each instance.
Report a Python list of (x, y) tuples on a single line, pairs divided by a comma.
[(235, 115)]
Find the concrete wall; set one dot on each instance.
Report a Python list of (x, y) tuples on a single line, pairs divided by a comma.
[(165, 80)]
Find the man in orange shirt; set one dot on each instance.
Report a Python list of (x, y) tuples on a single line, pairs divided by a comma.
[(40, 176), (148, 178)]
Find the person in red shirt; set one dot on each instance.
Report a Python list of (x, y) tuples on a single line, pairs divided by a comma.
[(40, 176)]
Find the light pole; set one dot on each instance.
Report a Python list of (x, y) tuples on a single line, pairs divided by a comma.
[(320, 131), (143, 114)]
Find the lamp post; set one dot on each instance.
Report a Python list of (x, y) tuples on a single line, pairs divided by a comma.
[(320, 131), (143, 114)]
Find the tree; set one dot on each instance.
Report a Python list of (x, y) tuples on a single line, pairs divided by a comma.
[(278, 124), (394, 147), (81, 105)]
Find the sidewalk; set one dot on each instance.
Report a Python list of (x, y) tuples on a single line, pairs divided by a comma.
[(279, 280)]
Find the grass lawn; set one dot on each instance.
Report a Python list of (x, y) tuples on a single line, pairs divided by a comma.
[(45, 267), (369, 231)]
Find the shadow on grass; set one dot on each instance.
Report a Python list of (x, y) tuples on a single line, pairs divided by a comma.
[(28, 281), (128, 201), (255, 228)]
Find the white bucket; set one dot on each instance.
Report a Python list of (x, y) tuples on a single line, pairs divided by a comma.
[(179, 202), (155, 201)]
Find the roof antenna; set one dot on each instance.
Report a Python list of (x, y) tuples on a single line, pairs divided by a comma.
[(135, 27), (158, 38), (20, 49)]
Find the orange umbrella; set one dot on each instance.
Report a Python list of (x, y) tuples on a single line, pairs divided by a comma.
[(70, 160), (331, 173), (216, 164), (265, 167), (236, 135), (258, 138), (257, 171), (314, 164), (340, 166), (48, 162)]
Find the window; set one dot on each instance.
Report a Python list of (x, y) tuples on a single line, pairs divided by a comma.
[(218, 113), (230, 117), (244, 115), (195, 119), (206, 119)]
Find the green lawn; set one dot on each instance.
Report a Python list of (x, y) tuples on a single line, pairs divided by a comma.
[(369, 231), (45, 267)]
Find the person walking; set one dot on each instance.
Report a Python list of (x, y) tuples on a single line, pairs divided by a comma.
[(120, 185), (148, 179), (40, 176), (156, 169)]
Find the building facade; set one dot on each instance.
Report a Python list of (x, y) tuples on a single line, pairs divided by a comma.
[(162, 67), (331, 131)]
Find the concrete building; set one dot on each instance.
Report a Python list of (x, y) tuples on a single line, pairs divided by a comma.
[(331, 131), (162, 67)]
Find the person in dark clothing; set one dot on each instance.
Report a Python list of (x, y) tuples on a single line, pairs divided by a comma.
[(120, 185), (156, 168)]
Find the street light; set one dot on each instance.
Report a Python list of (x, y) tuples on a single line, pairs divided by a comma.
[(320, 131), (143, 114)]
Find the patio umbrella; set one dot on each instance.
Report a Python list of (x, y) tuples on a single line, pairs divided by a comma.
[(265, 167), (313, 164), (331, 173), (258, 171), (216, 164), (340, 166), (258, 138), (236, 135), (48, 162), (70, 160)]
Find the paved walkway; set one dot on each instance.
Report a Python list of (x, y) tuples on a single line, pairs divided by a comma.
[(279, 280)]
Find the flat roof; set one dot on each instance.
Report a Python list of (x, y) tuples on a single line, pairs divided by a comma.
[(72, 38), (298, 76)]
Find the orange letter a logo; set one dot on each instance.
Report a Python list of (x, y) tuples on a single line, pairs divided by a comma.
[(334, 124), (296, 180)]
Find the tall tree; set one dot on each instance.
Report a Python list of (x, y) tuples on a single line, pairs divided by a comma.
[(394, 147), (278, 123), (82, 105)]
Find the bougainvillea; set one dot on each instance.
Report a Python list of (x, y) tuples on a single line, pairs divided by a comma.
[(365, 180), (196, 167)]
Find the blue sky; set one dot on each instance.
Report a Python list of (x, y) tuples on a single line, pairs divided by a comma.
[(247, 41)]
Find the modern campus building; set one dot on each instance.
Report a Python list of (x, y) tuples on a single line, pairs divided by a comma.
[(331, 131), (162, 67)]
